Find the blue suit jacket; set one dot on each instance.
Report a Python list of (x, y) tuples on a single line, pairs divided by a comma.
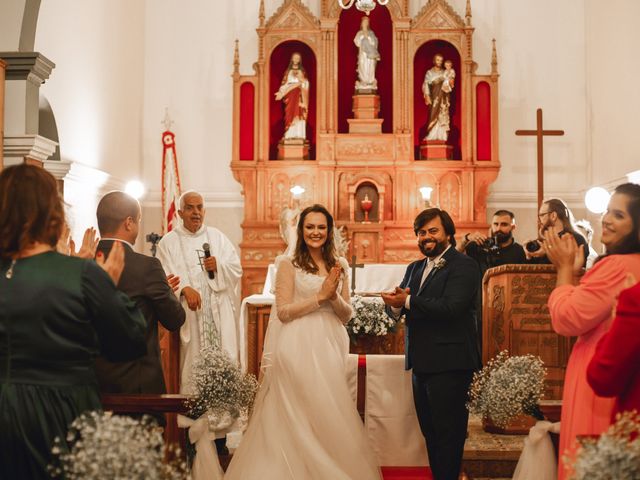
[(441, 321)]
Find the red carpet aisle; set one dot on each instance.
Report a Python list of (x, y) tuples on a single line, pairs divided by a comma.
[(406, 473)]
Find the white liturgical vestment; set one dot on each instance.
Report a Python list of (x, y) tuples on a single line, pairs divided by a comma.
[(216, 323)]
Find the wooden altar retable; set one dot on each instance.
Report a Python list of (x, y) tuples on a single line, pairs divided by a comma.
[(343, 166)]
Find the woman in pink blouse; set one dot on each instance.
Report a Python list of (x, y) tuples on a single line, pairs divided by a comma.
[(586, 310)]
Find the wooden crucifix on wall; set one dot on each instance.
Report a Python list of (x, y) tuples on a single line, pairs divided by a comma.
[(539, 132)]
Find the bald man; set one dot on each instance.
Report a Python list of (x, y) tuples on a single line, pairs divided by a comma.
[(145, 282)]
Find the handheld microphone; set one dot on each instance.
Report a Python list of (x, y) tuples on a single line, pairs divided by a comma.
[(207, 254)]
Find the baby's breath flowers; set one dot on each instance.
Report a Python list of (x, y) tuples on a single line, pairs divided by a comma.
[(103, 446), (220, 388), (615, 455), (369, 318), (508, 387)]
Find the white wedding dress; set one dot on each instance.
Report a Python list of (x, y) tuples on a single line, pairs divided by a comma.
[(305, 425)]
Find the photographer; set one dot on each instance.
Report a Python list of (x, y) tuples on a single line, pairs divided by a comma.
[(554, 216), (500, 248)]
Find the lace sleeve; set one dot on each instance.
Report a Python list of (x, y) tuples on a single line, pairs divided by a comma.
[(342, 303), (285, 288)]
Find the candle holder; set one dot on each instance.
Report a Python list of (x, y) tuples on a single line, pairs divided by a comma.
[(366, 205)]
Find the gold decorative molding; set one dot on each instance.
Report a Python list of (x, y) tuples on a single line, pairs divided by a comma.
[(438, 14)]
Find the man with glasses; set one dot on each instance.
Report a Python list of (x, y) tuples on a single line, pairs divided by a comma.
[(554, 215)]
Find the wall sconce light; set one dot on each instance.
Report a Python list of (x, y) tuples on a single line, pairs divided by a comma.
[(135, 188), (426, 196), (596, 200), (297, 191)]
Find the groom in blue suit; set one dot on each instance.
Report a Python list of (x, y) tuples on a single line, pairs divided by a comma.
[(437, 295)]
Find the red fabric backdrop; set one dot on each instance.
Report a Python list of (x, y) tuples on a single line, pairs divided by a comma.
[(280, 58), (483, 120), (422, 62), (380, 22), (247, 120)]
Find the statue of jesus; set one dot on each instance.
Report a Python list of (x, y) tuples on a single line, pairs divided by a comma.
[(368, 57), (294, 93)]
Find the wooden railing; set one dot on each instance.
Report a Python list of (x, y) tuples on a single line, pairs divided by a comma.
[(169, 404)]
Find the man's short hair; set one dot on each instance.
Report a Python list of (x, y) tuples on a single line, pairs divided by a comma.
[(113, 209), (184, 196), (429, 214), (502, 213)]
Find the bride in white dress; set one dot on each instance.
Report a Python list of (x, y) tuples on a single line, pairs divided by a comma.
[(305, 425)]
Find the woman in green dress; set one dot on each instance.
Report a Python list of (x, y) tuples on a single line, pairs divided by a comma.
[(57, 313)]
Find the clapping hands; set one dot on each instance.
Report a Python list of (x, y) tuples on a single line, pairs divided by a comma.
[(397, 298), (329, 289), (89, 245), (563, 251)]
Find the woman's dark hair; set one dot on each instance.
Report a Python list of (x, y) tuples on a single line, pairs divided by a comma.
[(302, 258), (564, 214), (31, 209), (429, 214), (630, 243)]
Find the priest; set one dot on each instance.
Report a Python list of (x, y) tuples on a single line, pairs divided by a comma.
[(209, 270)]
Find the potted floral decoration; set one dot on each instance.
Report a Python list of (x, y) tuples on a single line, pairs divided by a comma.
[(507, 388), (221, 390)]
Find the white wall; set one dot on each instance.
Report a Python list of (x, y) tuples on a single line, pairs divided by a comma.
[(95, 93), (613, 104)]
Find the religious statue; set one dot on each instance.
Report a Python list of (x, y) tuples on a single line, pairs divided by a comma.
[(437, 87), (368, 57), (294, 93)]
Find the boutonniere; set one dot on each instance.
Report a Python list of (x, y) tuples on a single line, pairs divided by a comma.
[(440, 264)]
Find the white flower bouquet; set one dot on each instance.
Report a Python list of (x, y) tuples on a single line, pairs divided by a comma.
[(369, 318), (508, 387), (615, 455), (103, 446), (221, 389)]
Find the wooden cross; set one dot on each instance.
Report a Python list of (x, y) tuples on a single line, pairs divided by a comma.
[(540, 133), (353, 266)]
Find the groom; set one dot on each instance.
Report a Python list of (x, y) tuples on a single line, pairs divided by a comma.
[(437, 295)]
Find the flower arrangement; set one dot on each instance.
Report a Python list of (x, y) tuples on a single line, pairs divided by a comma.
[(103, 446), (615, 455), (508, 387), (369, 318), (221, 389)]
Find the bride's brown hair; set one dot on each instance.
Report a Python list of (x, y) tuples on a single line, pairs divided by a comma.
[(301, 257)]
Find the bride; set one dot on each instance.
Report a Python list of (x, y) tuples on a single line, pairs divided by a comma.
[(304, 424)]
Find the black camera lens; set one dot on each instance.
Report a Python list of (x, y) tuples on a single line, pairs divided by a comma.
[(532, 246), (489, 242)]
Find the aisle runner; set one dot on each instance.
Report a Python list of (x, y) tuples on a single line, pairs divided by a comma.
[(406, 473)]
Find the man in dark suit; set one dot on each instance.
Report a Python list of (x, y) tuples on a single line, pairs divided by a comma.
[(145, 282), (438, 295)]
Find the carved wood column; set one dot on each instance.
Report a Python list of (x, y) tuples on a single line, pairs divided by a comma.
[(2, 67), (467, 120)]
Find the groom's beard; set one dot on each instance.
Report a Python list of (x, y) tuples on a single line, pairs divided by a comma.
[(432, 248)]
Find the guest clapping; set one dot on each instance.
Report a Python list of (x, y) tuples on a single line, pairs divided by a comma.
[(585, 310), (56, 314)]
